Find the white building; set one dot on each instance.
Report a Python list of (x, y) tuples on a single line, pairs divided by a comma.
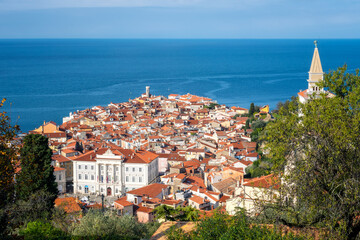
[(60, 179), (253, 194), (114, 171)]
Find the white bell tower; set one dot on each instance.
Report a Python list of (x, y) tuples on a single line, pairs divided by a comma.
[(316, 73), (147, 91)]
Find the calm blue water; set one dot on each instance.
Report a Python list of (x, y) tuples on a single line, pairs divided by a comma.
[(46, 79)]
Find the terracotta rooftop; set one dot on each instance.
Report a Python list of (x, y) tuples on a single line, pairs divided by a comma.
[(152, 190)]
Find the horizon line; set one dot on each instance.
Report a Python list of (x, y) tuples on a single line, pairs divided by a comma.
[(170, 38)]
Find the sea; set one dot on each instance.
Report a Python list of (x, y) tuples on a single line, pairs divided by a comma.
[(46, 79)]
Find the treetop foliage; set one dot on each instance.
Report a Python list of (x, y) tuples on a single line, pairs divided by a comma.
[(36, 173), (225, 227), (316, 148)]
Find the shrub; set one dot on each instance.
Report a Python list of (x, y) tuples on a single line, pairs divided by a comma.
[(41, 230)]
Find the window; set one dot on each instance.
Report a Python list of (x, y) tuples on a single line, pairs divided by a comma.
[(85, 166), (79, 187), (116, 178), (79, 166), (140, 179), (127, 169), (86, 177), (79, 176), (133, 179), (60, 177), (92, 177), (102, 167), (133, 169), (127, 178), (117, 169), (92, 167), (102, 190), (140, 169), (116, 190)]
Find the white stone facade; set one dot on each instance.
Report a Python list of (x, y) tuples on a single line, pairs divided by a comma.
[(111, 175)]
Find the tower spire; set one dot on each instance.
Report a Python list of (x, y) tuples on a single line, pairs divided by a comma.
[(316, 63), (316, 73)]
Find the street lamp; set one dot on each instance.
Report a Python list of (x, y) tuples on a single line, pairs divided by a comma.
[(102, 202)]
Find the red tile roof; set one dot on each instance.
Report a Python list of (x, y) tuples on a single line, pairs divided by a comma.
[(269, 181), (123, 202), (152, 190), (198, 200), (60, 158), (69, 204)]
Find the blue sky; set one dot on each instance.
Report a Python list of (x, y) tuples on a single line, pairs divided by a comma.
[(179, 19)]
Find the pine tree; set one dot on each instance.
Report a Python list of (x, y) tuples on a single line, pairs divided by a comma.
[(251, 110), (36, 171), (247, 124)]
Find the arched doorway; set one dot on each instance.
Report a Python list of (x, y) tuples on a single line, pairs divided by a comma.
[(109, 191)]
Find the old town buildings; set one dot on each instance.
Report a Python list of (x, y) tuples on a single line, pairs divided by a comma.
[(178, 150)]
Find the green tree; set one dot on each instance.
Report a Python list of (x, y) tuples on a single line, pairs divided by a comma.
[(211, 105), (7, 157), (96, 225), (317, 149), (165, 212), (251, 110), (285, 104), (8, 151), (343, 84), (187, 213), (257, 127), (40, 230), (260, 167), (36, 172), (225, 227), (247, 124), (168, 213), (38, 206)]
